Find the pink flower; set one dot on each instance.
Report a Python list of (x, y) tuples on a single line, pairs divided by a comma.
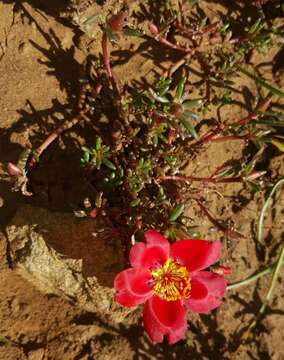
[(258, 3), (170, 280)]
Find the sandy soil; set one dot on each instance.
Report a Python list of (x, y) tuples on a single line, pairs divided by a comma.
[(41, 57)]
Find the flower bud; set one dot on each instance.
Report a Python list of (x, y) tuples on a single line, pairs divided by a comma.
[(117, 22), (14, 170), (258, 3), (222, 270), (93, 213), (153, 29), (176, 109)]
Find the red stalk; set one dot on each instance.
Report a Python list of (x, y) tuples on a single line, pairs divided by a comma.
[(106, 56), (191, 34), (67, 124), (227, 231), (202, 179), (163, 40), (261, 107)]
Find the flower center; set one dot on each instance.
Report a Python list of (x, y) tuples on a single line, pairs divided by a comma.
[(171, 281)]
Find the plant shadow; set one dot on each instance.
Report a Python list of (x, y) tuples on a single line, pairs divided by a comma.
[(60, 164)]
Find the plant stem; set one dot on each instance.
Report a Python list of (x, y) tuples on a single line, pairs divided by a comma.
[(67, 124), (163, 40), (106, 56), (106, 60), (254, 277), (261, 107), (225, 229), (269, 293), (177, 65), (193, 34), (218, 138), (264, 208), (228, 180), (215, 134), (260, 81)]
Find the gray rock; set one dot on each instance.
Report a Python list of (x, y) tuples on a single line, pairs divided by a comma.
[(71, 257)]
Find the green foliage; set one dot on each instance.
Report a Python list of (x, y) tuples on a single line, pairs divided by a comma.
[(176, 213), (140, 175), (97, 156), (160, 125)]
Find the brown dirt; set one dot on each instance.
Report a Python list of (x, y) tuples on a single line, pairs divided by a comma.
[(41, 56)]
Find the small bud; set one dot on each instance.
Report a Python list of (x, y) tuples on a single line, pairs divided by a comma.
[(14, 170), (171, 136), (258, 4), (133, 241), (222, 270), (117, 22), (93, 213), (254, 175), (153, 29), (176, 109)]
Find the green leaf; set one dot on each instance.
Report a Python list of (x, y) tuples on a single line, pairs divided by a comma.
[(261, 82), (191, 114), (98, 143), (268, 122), (136, 131), (189, 127), (176, 212), (86, 156), (163, 86), (170, 233), (265, 207), (111, 35), (135, 202), (133, 32), (258, 25), (4, 340), (278, 143), (161, 99), (189, 104), (180, 90), (278, 115), (97, 162), (109, 164)]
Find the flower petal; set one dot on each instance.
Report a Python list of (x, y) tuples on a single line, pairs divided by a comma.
[(133, 287), (164, 318), (154, 253), (136, 254), (196, 254), (207, 290), (153, 237)]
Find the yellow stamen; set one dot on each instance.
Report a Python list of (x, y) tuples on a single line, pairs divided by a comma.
[(171, 281)]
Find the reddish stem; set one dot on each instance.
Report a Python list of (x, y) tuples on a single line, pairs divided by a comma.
[(194, 33), (258, 4), (215, 135), (178, 64), (218, 138), (229, 232), (163, 40), (201, 179), (67, 124), (206, 138), (262, 107), (106, 58)]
